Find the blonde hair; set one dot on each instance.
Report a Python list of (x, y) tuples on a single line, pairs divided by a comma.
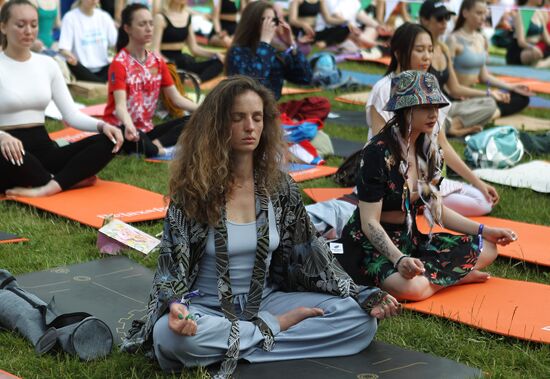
[(201, 174)]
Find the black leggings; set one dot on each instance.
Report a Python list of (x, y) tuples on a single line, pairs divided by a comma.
[(517, 104), (331, 36), (82, 73), (206, 70), (45, 160), (167, 133)]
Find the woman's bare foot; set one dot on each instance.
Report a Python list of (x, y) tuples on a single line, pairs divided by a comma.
[(475, 276), (296, 315), (157, 143), (88, 182), (51, 188)]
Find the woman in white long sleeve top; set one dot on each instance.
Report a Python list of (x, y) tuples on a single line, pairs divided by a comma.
[(30, 162)]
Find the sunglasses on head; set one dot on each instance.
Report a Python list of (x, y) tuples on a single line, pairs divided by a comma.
[(446, 17)]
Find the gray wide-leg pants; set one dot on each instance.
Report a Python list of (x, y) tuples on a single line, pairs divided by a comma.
[(344, 329)]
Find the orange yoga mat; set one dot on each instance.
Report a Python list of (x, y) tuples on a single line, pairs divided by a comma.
[(323, 194), (90, 205), (97, 110), (385, 61), (509, 307), (533, 240), (533, 84), (357, 98), (313, 173), (70, 134), (7, 375), (532, 245)]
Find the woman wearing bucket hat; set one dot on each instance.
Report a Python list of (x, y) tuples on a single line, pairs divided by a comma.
[(412, 49), (400, 171)]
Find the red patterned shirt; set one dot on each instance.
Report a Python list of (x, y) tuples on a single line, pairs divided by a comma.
[(142, 83)]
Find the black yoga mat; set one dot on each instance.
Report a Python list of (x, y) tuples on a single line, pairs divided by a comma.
[(344, 148), (114, 289), (379, 360), (348, 118), (10, 238)]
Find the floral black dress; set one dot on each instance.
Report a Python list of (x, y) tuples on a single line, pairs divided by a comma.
[(447, 258)]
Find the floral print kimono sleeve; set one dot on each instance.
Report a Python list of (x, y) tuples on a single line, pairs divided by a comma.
[(311, 266), (170, 281)]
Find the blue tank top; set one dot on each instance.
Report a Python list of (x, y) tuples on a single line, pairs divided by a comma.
[(468, 62)]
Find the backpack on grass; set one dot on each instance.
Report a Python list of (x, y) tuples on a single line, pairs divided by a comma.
[(498, 147)]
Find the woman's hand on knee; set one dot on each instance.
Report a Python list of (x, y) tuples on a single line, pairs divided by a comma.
[(11, 148), (388, 307), (113, 133), (180, 321), (410, 267)]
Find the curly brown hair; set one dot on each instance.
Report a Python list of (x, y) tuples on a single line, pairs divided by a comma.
[(202, 171)]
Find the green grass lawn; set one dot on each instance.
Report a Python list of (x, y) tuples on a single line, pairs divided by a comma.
[(56, 241)]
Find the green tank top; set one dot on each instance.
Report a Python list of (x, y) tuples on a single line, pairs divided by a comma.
[(46, 22)]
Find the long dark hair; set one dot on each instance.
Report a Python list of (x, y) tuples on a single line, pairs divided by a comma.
[(400, 120), (249, 27), (126, 19), (201, 173), (5, 14), (402, 45), (466, 5)]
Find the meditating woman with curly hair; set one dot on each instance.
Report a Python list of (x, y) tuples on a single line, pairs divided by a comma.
[(241, 272)]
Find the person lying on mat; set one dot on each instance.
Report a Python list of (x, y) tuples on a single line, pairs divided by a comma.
[(529, 47), (253, 52), (471, 109), (30, 162), (400, 171), (412, 49), (136, 78), (469, 50), (241, 271)]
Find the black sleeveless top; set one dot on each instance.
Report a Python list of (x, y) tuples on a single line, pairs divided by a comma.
[(173, 34), (228, 7), (307, 9), (443, 75)]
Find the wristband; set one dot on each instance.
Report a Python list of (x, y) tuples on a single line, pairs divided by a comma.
[(399, 261), (100, 126), (290, 49), (480, 237)]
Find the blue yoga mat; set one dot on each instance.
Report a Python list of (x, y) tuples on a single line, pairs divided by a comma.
[(292, 167), (539, 102), (362, 77), (526, 72), (371, 79), (496, 60)]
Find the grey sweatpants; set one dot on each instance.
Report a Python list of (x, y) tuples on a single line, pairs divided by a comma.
[(344, 329)]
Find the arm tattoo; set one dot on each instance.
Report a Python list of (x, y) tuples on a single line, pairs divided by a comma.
[(381, 241)]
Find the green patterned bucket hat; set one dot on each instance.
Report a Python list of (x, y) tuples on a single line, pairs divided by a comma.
[(413, 88)]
